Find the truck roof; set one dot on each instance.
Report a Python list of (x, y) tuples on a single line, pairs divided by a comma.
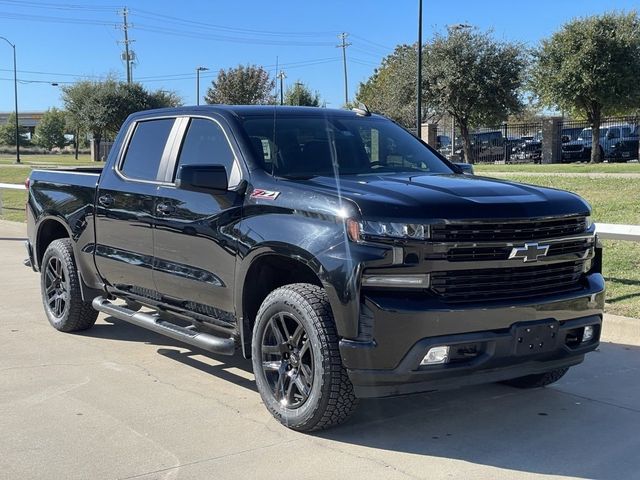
[(247, 111)]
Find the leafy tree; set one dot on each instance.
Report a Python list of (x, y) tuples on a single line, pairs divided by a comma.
[(8, 132), (300, 94), (51, 129), (473, 78), (591, 67), (100, 108), (391, 90), (242, 85)]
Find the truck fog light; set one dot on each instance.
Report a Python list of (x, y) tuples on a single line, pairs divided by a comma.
[(436, 355), (587, 334), (397, 281)]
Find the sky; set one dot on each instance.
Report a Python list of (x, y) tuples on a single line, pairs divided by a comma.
[(61, 42)]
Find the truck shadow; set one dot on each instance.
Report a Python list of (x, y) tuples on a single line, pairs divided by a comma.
[(585, 426), (115, 329)]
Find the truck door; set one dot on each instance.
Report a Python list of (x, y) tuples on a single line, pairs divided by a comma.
[(125, 207), (195, 246)]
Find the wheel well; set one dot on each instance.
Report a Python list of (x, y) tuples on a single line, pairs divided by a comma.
[(265, 275), (49, 231)]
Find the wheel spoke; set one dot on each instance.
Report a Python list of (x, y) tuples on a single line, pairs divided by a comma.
[(276, 332), (272, 366), (59, 269), (50, 274), (302, 386), (289, 395), (279, 388), (283, 323), (271, 349), (305, 372), (304, 349), (50, 288), (297, 335)]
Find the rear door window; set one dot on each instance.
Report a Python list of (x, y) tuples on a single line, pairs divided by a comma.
[(144, 152)]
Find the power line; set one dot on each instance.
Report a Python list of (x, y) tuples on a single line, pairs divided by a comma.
[(343, 36)]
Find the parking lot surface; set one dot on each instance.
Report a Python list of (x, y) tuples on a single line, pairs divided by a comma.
[(120, 402)]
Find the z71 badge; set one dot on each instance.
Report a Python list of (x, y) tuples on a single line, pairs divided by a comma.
[(265, 194)]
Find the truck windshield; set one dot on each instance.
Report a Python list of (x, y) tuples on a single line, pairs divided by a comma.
[(304, 146)]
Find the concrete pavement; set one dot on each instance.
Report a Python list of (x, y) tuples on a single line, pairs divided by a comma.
[(120, 402)]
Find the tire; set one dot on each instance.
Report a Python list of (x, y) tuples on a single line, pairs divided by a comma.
[(60, 288), (538, 380), (317, 394)]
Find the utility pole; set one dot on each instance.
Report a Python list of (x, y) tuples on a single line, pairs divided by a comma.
[(298, 92), (198, 70), (419, 79), (15, 97), (343, 45), (281, 77), (128, 55)]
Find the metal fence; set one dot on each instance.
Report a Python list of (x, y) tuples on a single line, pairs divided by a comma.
[(523, 142)]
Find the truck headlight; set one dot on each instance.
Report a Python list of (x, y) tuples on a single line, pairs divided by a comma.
[(366, 229)]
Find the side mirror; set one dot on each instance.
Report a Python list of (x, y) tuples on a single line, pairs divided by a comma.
[(203, 178), (465, 167), (566, 138)]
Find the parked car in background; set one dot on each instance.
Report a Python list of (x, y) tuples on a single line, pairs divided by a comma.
[(579, 150), (487, 147), (626, 148), (531, 147)]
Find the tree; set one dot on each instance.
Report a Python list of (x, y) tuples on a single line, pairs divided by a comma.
[(591, 67), (391, 90), (242, 85), (473, 78), (8, 132), (300, 94), (51, 129), (100, 108)]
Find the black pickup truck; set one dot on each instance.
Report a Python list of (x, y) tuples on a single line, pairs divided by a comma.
[(343, 255)]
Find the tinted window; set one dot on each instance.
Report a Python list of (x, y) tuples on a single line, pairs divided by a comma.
[(205, 144), (303, 146), (145, 149)]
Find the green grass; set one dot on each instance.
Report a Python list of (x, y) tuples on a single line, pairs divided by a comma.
[(561, 168), (51, 160), (614, 200), (621, 268)]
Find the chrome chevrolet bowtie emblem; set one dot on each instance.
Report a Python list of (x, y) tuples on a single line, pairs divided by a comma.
[(530, 252)]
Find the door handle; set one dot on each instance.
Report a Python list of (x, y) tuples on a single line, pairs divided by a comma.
[(165, 208), (105, 200)]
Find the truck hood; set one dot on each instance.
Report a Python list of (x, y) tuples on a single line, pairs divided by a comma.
[(423, 196)]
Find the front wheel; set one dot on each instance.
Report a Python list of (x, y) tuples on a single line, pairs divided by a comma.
[(60, 285), (296, 361), (538, 380)]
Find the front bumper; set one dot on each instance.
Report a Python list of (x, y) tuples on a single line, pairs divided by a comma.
[(403, 329)]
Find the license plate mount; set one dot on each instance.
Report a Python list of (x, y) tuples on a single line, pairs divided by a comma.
[(530, 338)]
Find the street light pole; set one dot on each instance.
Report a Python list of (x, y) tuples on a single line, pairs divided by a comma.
[(419, 79), (15, 93), (198, 70)]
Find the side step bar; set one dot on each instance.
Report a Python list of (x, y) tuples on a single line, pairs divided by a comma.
[(211, 343)]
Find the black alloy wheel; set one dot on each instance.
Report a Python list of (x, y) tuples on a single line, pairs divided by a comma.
[(56, 283), (287, 360)]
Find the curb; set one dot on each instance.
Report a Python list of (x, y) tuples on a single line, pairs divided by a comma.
[(622, 330)]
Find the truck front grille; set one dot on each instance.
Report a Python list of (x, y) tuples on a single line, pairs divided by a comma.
[(507, 283), (509, 231), (579, 247)]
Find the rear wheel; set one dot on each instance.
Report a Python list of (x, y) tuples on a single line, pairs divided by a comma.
[(538, 380), (60, 286), (296, 361)]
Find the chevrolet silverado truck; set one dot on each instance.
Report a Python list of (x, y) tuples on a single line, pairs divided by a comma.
[(341, 254)]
